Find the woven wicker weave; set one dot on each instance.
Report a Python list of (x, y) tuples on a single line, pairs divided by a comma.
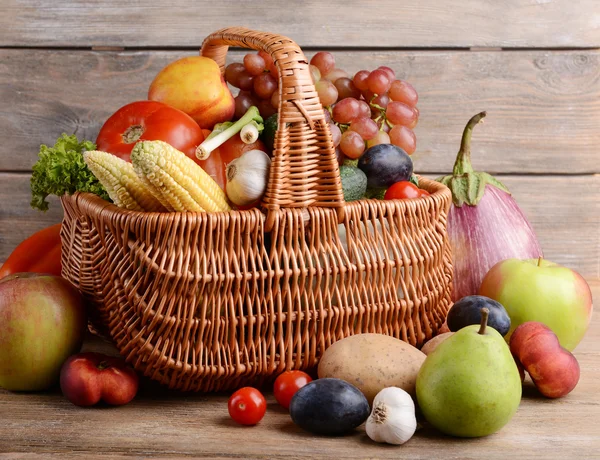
[(213, 301)]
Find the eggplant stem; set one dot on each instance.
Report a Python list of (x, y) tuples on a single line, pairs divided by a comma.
[(463, 159)]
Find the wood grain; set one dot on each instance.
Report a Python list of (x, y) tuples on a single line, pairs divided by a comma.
[(161, 424), (543, 106), (564, 212), (410, 23)]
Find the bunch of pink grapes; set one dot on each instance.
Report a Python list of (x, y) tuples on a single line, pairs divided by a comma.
[(370, 108)]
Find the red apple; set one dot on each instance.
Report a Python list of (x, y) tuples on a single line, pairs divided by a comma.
[(540, 290), (42, 323), (553, 369), (88, 378)]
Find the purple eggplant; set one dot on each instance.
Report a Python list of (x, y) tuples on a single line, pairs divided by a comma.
[(485, 224)]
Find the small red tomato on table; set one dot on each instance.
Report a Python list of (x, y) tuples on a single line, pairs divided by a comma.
[(247, 406), (287, 384), (404, 189), (88, 378)]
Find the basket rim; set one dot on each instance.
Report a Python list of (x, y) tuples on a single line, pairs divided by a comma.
[(437, 190)]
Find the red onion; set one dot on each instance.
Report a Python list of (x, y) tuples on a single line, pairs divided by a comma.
[(485, 224)]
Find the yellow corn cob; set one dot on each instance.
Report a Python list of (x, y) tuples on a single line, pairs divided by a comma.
[(175, 179), (120, 181)]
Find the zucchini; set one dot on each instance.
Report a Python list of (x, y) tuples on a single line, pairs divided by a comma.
[(354, 182)]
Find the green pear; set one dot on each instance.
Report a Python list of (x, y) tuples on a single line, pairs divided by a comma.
[(469, 386)]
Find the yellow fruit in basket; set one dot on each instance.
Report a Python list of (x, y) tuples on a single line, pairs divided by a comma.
[(195, 86)]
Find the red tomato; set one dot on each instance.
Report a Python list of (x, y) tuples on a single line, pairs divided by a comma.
[(216, 164), (247, 406), (40, 253), (287, 384), (402, 190), (150, 121)]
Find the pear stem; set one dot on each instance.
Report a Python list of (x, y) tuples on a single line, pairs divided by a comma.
[(540, 261), (484, 319)]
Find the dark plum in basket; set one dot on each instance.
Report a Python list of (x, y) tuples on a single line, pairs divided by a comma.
[(467, 311), (329, 406), (384, 165)]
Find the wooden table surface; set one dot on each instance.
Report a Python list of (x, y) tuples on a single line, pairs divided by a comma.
[(164, 424)]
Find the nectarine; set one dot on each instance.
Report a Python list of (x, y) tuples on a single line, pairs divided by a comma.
[(195, 86)]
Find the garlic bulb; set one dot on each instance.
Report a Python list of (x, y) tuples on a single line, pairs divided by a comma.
[(392, 419), (247, 177)]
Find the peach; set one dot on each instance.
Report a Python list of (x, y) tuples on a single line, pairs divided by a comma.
[(553, 369), (195, 86), (432, 344)]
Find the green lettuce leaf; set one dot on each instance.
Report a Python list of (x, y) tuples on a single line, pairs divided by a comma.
[(61, 169)]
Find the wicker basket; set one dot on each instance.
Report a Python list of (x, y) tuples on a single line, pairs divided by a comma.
[(213, 301)]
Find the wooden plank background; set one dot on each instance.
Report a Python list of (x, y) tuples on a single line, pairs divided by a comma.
[(384, 23), (533, 65)]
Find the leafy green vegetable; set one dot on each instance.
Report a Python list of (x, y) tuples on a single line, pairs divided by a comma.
[(61, 169)]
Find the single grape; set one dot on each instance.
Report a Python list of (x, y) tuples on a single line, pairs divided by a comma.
[(380, 138), (327, 92), (364, 109), (400, 114), (232, 73), (382, 100), (335, 75), (385, 127), (352, 145), (378, 81), (336, 133), (327, 115), (346, 110), (245, 81), (265, 108), (360, 80), (346, 88), (404, 138), (390, 72), (243, 101), (364, 126), (254, 64), (265, 85), (339, 156), (324, 61), (402, 91), (275, 99), (315, 73), (267, 58)]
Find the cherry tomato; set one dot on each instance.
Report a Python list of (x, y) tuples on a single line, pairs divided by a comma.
[(150, 121), (402, 190), (247, 406), (287, 384), (39, 253)]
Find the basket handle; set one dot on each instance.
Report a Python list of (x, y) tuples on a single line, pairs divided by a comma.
[(304, 170)]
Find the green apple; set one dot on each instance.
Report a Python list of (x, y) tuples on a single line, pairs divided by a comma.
[(540, 290), (42, 323)]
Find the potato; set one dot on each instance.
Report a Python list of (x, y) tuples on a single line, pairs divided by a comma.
[(431, 344), (372, 362)]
